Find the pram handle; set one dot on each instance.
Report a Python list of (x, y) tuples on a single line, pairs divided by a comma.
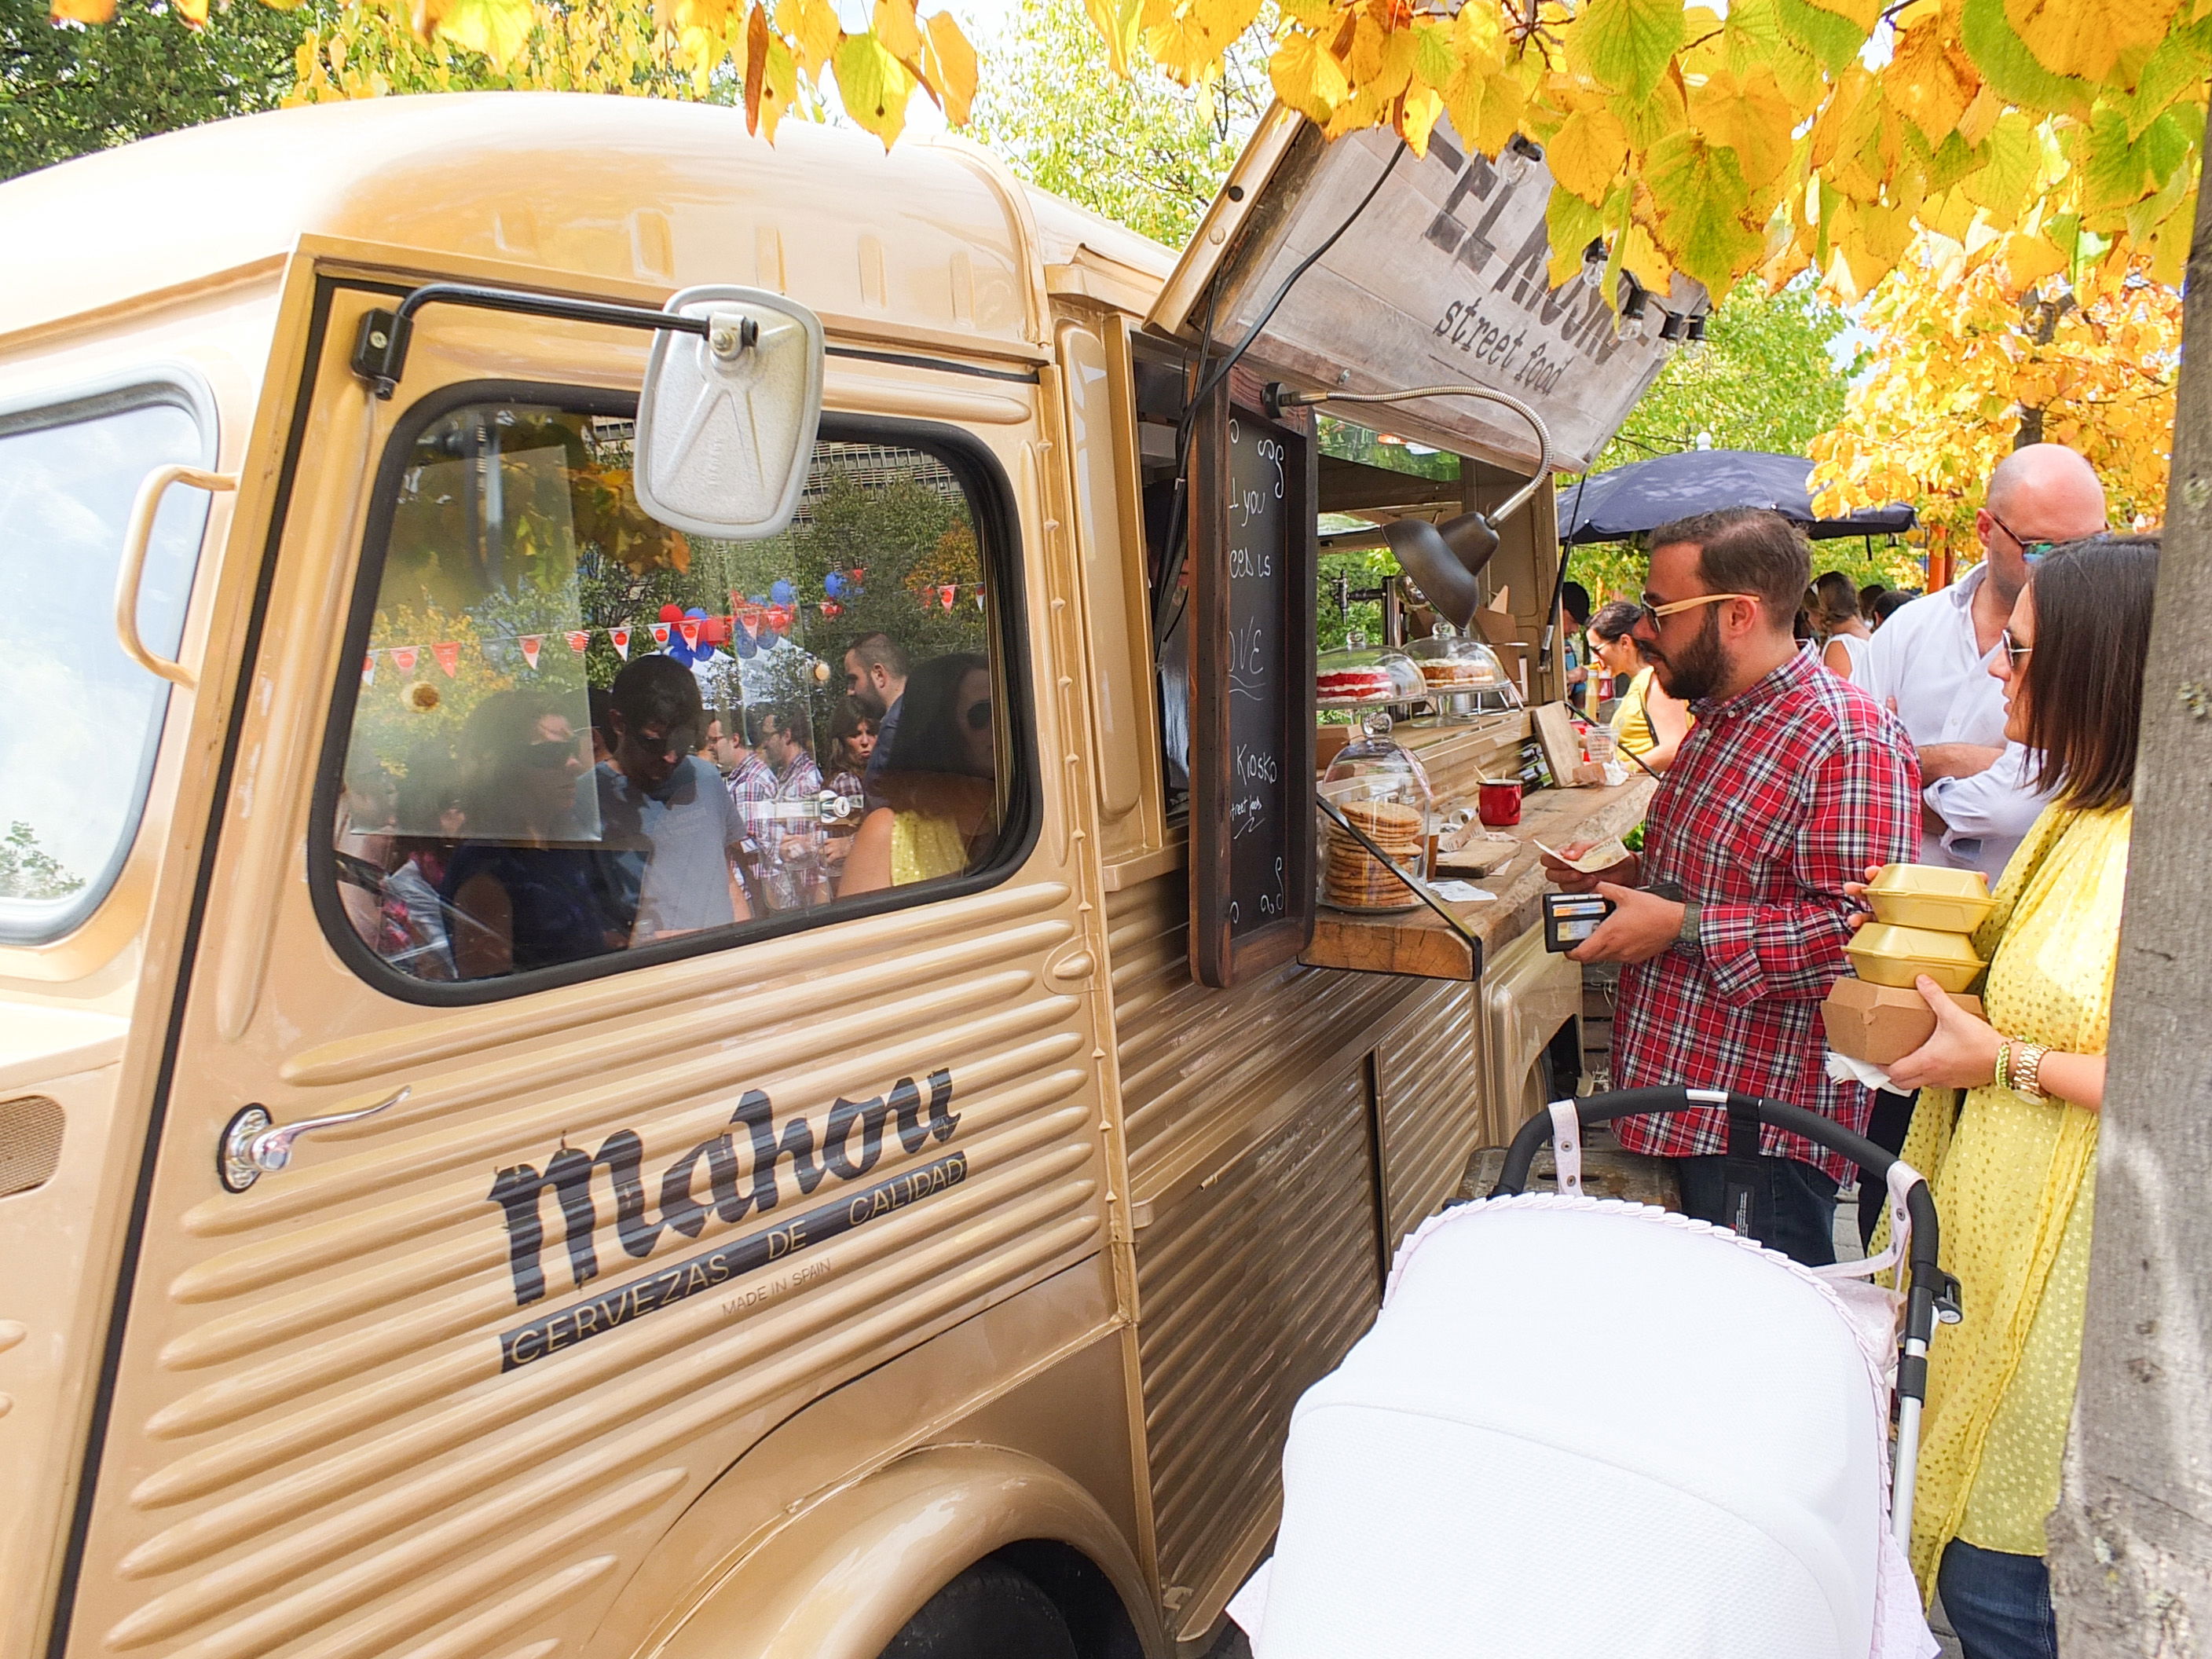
[(1931, 1291)]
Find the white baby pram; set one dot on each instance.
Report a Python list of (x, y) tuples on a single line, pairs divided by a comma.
[(1586, 1429)]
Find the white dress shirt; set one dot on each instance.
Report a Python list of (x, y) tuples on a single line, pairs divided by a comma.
[(1926, 659)]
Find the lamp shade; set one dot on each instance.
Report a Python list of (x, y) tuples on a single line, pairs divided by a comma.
[(1444, 559)]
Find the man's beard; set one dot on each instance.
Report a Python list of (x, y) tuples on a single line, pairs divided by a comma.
[(1697, 669)]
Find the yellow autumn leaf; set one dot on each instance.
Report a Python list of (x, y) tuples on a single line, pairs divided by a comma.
[(2023, 261), (195, 12), (497, 29), (1930, 80), (1420, 109), (1862, 14), (1641, 258), (1116, 23), (1586, 154), (1485, 104), (1307, 76), (952, 67), (1572, 224), (1750, 117), (873, 86), (81, 11), (1645, 121), (1382, 55), (900, 32), (812, 27), (2068, 37)]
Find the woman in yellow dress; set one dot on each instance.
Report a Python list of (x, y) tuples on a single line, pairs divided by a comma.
[(938, 786), (1648, 723), (2013, 1162)]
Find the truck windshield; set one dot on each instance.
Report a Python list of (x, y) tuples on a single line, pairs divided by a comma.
[(77, 746)]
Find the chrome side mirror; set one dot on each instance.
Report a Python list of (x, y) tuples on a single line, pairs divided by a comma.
[(725, 423)]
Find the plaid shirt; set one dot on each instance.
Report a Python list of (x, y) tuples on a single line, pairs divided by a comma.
[(1778, 797)]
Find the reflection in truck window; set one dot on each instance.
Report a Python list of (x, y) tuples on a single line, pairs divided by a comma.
[(78, 750), (578, 732)]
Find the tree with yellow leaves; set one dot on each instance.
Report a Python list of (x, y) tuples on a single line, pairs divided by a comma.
[(1971, 364), (1778, 135)]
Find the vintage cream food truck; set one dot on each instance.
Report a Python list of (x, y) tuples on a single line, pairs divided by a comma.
[(438, 1220)]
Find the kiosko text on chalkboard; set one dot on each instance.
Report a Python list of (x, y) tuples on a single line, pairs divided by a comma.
[(1253, 554)]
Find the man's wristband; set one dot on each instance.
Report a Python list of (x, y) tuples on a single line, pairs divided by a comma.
[(1692, 914)]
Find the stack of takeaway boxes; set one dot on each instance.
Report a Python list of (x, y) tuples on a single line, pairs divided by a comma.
[(1924, 918)]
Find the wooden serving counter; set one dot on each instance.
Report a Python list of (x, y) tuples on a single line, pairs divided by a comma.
[(1417, 941)]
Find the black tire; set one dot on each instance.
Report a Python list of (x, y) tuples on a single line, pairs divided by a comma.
[(989, 1612)]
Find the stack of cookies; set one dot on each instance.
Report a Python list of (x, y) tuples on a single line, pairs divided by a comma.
[(1353, 877)]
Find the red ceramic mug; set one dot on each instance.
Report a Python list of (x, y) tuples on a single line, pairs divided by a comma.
[(1498, 805)]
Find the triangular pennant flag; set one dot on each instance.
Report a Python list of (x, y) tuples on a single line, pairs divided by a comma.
[(688, 628), (405, 657), (529, 642), (660, 633), (619, 638), (979, 598), (578, 639), (779, 619), (448, 653), (368, 668), (946, 594)]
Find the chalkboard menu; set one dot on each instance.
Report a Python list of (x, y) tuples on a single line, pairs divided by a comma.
[(1253, 554)]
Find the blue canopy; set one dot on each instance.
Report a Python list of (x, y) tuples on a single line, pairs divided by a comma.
[(1634, 500)]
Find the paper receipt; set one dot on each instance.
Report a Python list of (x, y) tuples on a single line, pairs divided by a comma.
[(1603, 856)]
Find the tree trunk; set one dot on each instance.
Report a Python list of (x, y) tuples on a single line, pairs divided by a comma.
[(2132, 1539)]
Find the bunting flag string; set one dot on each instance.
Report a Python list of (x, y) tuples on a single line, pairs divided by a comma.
[(700, 634)]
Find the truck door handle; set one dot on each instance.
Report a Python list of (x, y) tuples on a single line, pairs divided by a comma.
[(137, 534), (253, 1144)]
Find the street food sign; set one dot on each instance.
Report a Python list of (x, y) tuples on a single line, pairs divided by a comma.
[(1442, 278)]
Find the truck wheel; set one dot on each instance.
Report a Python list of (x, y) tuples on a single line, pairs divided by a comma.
[(989, 1612)]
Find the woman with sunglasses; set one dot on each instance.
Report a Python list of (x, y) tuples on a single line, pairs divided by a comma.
[(1647, 724), (939, 782), (2006, 1123)]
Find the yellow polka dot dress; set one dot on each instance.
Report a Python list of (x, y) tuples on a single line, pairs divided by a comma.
[(2012, 1179)]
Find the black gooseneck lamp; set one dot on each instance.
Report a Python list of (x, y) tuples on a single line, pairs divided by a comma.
[(1444, 559)]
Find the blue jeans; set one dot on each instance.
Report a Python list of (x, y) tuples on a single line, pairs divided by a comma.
[(1999, 1605), (1794, 1212)]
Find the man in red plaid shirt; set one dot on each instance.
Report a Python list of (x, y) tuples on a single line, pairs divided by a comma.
[(1792, 783)]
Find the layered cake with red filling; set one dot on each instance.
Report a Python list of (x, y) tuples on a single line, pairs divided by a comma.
[(1365, 685)]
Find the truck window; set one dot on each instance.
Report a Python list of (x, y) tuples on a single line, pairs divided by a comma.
[(577, 734), (77, 753)]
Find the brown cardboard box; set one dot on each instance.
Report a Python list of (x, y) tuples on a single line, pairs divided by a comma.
[(1879, 1023)]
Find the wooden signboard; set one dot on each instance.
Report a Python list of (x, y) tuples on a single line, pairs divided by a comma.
[(1253, 557)]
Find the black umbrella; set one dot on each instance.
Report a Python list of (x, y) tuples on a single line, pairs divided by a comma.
[(1634, 500)]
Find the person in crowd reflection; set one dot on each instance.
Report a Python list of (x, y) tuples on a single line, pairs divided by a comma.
[(1732, 921), (716, 748), (431, 821), (521, 893), (852, 728), (663, 810), (937, 780), (878, 664), (2005, 1123), (1836, 620), (785, 829), (362, 842), (855, 726), (603, 744), (1648, 724), (1868, 595)]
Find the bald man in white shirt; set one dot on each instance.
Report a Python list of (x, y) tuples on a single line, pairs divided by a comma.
[(1930, 662)]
